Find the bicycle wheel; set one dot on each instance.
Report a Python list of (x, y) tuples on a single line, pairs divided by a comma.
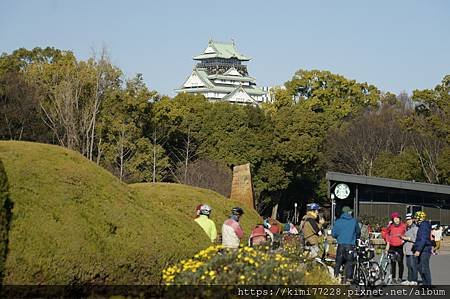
[(362, 278), (374, 273)]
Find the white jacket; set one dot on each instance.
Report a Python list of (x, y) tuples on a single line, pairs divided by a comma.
[(231, 234)]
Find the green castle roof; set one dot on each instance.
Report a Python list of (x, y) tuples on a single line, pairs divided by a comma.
[(250, 90), (234, 78), (221, 50)]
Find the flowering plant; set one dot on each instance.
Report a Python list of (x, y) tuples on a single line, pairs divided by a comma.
[(250, 266)]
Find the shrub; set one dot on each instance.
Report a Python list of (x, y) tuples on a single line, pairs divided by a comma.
[(247, 266), (5, 212), (75, 223)]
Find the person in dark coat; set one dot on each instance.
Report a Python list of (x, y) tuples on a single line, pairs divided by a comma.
[(423, 247), (346, 230)]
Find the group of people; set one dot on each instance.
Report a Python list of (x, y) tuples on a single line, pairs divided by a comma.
[(232, 231), (412, 238)]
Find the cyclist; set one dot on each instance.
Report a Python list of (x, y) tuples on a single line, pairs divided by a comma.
[(411, 260), (423, 247), (394, 239), (311, 228), (232, 231), (346, 230), (207, 224)]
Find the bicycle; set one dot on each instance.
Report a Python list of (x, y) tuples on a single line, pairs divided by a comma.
[(324, 260), (386, 259), (366, 271)]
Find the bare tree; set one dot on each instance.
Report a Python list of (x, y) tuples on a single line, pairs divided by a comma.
[(428, 148), (102, 67), (210, 175), (183, 156), (72, 94), (159, 139), (61, 107), (355, 147)]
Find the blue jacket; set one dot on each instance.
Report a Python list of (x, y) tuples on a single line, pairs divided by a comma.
[(423, 241), (346, 230)]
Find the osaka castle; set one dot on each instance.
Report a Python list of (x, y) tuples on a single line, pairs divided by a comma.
[(221, 75)]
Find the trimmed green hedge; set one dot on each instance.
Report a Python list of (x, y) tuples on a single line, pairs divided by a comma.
[(73, 222), (4, 218)]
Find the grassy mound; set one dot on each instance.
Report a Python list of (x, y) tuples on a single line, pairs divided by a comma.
[(74, 222), (182, 200), (4, 218)]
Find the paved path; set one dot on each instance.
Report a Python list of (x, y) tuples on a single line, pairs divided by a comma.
[(440, 265)]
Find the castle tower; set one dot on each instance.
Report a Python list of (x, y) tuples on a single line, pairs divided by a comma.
[(220, 75)]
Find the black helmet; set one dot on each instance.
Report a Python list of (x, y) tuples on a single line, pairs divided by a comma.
[(237, 211)]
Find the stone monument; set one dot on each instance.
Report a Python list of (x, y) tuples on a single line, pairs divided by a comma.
[(242, 186)]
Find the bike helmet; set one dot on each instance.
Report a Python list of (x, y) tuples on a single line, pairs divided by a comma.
[(266, 223), (312, 207), (237, 211), (395, 215), (205, 210), (420, 215)]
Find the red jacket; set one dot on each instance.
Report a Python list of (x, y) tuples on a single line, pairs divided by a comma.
[(394, 232)]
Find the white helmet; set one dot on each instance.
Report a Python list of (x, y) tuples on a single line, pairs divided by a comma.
[(205, 210)]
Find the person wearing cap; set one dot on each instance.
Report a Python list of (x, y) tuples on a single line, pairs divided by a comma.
[(423, 246), (394, 243), (205, 223), (411, 260), (346, 230), (312, 228), (232, 231)]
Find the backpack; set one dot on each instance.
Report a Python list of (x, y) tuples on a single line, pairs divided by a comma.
[(258, 236), (301, 234), (365, 232)]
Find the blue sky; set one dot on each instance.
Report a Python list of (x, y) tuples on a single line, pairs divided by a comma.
[(396, 45)]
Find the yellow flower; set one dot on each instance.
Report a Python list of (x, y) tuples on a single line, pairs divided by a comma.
[(242, 277)]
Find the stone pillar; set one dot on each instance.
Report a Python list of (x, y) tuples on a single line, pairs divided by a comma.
[(242, 186)]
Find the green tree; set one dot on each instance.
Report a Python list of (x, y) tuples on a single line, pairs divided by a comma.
[(182, 120), (124, 148), (21, 117), (323, 91), (403, 166)]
